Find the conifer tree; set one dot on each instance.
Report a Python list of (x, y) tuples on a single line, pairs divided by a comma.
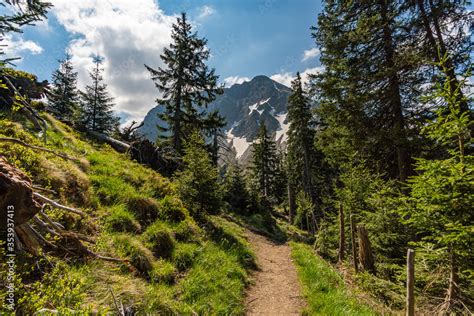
[(64, 97), (370, 86), (265, 163), (441, 196), (235, 189), (96, 104), (300, 139), (198, 181), (186, 83)]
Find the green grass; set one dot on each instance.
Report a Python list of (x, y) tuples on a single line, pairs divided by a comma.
[(323, 288), (174, 266)]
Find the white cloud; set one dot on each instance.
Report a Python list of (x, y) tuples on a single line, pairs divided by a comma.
[(283, 78), (205, 12), (127, 34), (287, 77), (310, 54), (230, 81), (14, 46)]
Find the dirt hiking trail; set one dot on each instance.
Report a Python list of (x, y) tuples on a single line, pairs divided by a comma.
[(276, 289)]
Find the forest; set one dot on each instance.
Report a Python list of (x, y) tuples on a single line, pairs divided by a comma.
[(366, 209)]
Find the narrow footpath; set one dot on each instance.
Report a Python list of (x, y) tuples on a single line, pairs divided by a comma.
[(276, 289)]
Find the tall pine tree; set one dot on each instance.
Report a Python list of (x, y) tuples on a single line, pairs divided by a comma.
[(64, 97), (300, 139), (96, 104), (186, 83), (265, 163)]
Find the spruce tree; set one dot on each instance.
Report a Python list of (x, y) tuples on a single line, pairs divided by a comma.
[(265, 163), (96, 104), (235, 190), (198, 180), (186, 83), (64, 97), (441, 197), (300, 139), (371, 83)]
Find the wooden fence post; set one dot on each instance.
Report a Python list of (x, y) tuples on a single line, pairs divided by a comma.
[(366, 256), (354, 244), (341, 234), (410, 282)]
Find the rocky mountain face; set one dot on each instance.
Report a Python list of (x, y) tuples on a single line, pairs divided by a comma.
[(244, 106)]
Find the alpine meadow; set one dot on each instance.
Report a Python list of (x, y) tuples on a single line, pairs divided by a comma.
[(264, 157)]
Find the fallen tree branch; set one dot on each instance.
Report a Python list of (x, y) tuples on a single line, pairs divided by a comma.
[(22, 143), (57, 205), (37, 187), (115, 143)]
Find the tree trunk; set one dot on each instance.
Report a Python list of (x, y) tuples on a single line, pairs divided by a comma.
[(291, 202), (354, 244), (366, 256), (410, 283), (341, 234), (452, 293), (439, 51), (399, 137)]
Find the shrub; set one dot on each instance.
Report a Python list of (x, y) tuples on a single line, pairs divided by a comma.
[(160, 239), (121, 220)]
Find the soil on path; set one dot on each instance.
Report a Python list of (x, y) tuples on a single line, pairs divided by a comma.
[(276, 289)]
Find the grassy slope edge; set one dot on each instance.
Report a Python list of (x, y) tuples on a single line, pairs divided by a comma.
[(135, 214)]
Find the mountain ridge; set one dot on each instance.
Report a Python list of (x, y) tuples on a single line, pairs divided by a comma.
[(244, 106)]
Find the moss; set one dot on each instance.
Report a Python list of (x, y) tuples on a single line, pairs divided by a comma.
[(121, 220), (158, 236)]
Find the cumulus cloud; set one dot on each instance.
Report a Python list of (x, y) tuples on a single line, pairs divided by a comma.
[(287, 77), (283, 78), (230, 81), (310, 54), (13, 46), (127, 34), (205, 12)]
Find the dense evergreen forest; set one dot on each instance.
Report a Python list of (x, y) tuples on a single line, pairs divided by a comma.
[(378, 160)]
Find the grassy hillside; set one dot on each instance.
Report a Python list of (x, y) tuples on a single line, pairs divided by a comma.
[(173, 264)]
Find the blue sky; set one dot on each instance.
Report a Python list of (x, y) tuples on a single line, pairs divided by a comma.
[(246, 38)]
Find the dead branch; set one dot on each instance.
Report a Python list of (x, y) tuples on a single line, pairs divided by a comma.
[(22, 143), (37, 187), (57, 205)]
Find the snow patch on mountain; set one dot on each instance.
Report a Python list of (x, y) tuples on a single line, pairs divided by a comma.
[(283, 130), (254, 107), (240, 144)]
